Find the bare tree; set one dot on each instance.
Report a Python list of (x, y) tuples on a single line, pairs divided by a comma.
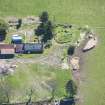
[(4, 91)]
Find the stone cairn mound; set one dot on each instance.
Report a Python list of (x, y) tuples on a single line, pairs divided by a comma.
[(7, 68)]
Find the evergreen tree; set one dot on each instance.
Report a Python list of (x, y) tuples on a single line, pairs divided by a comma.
[(3, 27), (48, 35), (71, 88), (71, 50), (45, 28), (19, 25), (44, 17)]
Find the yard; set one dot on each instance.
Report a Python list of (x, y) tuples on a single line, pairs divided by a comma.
[(82, 13), (26, 31), (41, 79)]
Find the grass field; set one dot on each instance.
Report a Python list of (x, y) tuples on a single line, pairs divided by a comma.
[(40, 78), (93, 86), (80, 12), (89, 12)]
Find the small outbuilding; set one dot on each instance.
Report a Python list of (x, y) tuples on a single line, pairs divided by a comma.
[(33, 48), (16, 39), (7, 51), (19, 48)]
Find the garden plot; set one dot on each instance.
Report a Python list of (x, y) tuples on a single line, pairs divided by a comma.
[(66, 35)]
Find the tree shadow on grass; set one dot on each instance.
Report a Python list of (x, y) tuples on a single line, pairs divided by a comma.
[(71, 90), (3, 56)]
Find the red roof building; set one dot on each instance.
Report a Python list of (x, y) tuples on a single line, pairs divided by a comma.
[(7, 49)]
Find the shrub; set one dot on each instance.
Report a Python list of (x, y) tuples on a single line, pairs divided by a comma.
[(71, 50)]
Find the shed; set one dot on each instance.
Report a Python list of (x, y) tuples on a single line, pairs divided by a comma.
[(16, 39), (19, 48), (7, 49), (33, 48)]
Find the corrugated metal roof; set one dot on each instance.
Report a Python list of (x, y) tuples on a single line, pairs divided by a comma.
[(16, 37), (33, 47), (19, 48), (7, 49)]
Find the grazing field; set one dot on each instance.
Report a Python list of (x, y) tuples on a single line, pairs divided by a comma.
[(79, 12), (42, 80), (91, 12), (93, 75)]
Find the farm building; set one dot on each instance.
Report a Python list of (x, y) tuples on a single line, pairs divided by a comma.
[(33, 48), (6, 51), (16, 39), (19, 48)]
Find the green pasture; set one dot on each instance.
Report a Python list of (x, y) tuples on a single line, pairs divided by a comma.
[(93, 85), (90, 12)]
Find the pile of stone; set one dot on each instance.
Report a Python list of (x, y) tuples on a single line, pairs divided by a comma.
[(12, 21), (91, 43), (65, 66), (74, 62), (31, 20), (7, 68)]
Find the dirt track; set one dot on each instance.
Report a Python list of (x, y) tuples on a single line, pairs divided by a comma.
[(79, 75)]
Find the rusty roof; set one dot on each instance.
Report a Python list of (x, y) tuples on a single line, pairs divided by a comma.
[(6, 46)]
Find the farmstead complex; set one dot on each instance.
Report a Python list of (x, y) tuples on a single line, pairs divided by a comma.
[(52, 52)]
